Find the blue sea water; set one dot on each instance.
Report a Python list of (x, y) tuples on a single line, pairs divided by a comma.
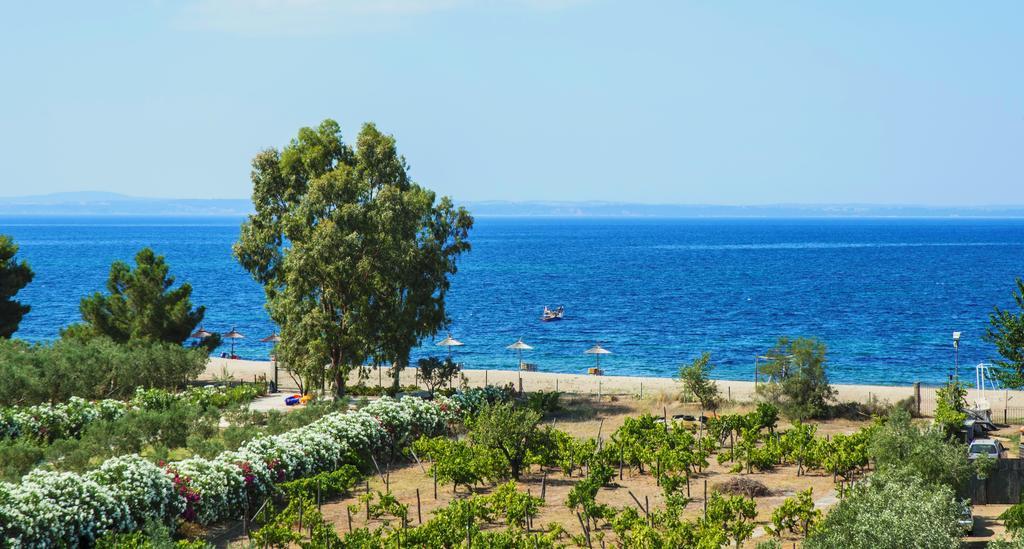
[(885, 295)]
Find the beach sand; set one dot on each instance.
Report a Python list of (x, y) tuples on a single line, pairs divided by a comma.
[(247, 370)]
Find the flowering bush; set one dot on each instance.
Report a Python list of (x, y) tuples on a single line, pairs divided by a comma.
[(49, 422), (56, 509)]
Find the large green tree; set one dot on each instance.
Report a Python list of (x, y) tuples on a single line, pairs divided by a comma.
[(141, 304), (13, 277), (797, 378), (355, 258), (1006, 332)]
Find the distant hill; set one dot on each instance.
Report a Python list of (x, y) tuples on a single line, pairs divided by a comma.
[(113, 204), (101, 204), (620, 209)]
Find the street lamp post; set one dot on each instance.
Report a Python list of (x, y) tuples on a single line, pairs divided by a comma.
[(956, 355)]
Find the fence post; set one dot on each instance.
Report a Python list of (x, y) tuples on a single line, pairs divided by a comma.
[(917, 397)]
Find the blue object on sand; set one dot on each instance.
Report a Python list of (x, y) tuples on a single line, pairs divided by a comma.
[(291, 401)]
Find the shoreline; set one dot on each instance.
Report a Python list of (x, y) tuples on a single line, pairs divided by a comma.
[(637, 386)]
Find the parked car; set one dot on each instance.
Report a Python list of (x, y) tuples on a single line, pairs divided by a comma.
[(987, 446), (966, 519)]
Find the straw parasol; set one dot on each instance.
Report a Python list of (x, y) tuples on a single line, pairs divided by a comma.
[(597, 350), (233, 335), (519, 347), (200, 334), (450, 342)]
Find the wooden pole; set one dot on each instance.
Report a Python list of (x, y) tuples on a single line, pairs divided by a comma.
[(435, 483), (419, 515), (638, 504), (544, 487), (705, 498), (349, 513)]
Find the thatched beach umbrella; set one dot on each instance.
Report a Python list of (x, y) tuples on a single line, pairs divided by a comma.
[(450, 342), (200, 334), (597, 350), (519, 347), (233, 335)]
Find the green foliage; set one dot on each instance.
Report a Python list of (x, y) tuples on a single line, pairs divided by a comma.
[(900, 447), (950, 403), (1006, 332), (141, 304), (435, 372), (458, 463), (696, 379), (544, 402), (890, 512), (324, 485), (507, 429), (96, 368), (354, 257), (153, 536), (518, 508), (277, 528), (797, 378), (13, 277), (1013, 518), (733, 514), (796, 514)]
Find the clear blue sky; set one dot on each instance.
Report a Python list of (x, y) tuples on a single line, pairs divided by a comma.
[(662, 102)]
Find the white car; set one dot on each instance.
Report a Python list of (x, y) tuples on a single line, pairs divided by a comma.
[(985, 446)]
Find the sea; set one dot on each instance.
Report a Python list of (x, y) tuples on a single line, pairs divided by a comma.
[(885, 295)]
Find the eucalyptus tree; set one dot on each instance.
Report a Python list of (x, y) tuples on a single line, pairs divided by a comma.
[(354, 257), (13, 277)]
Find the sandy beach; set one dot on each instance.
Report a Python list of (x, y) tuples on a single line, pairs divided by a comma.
[(614, 385)]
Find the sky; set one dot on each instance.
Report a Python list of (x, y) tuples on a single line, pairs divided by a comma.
[(689, 102)]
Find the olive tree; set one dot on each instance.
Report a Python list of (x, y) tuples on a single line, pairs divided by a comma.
[(507, 429), (354, 257), (890, 512)]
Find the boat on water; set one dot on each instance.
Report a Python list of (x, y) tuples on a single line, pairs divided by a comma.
[(552, 314)]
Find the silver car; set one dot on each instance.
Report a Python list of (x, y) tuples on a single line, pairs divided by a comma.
[(987, 446)]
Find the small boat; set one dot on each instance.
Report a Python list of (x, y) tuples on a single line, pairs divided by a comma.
[(552, 314)]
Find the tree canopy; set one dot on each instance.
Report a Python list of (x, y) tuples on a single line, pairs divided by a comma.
[(696, 378), (1006, 332), (13, 277), (355, 258), (890, 512), (797, 377), (141, 305)]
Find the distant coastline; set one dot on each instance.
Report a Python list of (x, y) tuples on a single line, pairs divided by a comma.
[(100, 204)]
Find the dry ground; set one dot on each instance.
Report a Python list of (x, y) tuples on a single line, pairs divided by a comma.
[(585, 416)]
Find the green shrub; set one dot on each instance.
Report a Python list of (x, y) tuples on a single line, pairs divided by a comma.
[(93, 368), (891, 512), (544, 402)]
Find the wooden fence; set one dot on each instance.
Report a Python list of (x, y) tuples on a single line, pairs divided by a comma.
[(1003, 484)]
